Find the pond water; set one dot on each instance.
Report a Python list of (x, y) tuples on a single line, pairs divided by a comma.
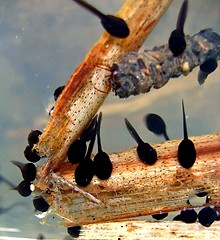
[(41, 43)]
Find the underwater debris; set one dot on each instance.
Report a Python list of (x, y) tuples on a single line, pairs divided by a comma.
[(138, 72)]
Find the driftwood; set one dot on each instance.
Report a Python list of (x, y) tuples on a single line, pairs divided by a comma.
[(134, 189)]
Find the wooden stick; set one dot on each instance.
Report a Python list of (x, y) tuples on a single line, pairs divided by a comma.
[(136, 189)]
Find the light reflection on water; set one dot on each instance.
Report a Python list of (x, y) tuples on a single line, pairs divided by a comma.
[(41, 43)]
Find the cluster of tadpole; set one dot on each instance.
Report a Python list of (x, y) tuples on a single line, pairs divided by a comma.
[(186, 156), (101, 165), (186, 150), (29, 172)]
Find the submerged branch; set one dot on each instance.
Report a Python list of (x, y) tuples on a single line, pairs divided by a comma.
[(134, 188)]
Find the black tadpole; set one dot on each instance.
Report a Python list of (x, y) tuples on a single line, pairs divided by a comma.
[(102, 162), (177, 43), (74, 231), (24, 188), (28, 170), (145, 152), (201, 194), (30, 155), (33, 137), (115, 26), (77, 150), (85, 170), (188, 216), (186, 148), (159, 216), (207, 216), (156, 125), (40, 204), (57, 92), (206, 68)]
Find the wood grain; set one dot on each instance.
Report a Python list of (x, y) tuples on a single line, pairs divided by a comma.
[(136, 189)]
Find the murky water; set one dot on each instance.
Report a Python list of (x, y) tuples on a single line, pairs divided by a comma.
[(41, 43)]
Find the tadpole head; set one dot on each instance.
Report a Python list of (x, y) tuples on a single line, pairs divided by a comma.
[(30, 155), (186, 153), (84, 172), (146, 153), (57, 92), (33, 137), (115, 26), (188, 216), (177, 42), (77, 151), (74, 231), (159, 216), (40, 204), (156, 125), (24, 188), (102, 165), (206, 68), (207, 216)]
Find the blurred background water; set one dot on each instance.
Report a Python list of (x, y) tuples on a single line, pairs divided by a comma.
[(41, 43)]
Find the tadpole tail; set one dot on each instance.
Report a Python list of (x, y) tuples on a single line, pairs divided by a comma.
[(90, 8), (87, 134), (133, 132), (185, 134), (98, 131), (182, 15), (166, 136), (91, 144)]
